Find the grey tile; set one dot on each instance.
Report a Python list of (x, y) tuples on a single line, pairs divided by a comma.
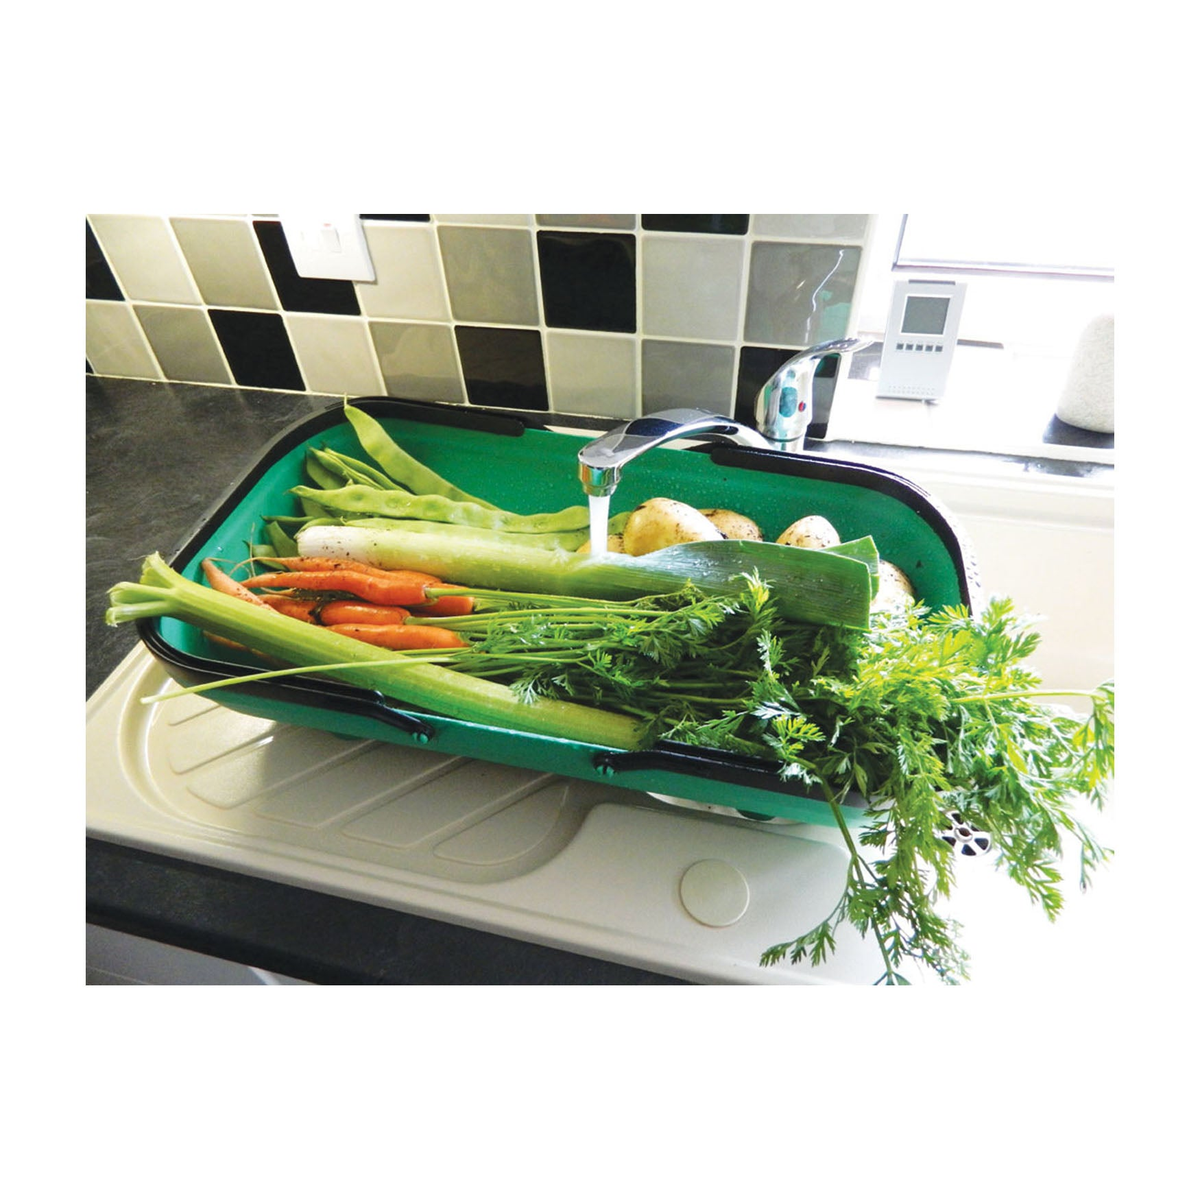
[(518, 219), (594, 374), (419, 362), (799, 294), (687, 375), (225, 262), (184, 343), (490, 274), (116, 343), (842, 226), (589, 220), (408, 274), (335, 354), (145, 258), (691, 286)]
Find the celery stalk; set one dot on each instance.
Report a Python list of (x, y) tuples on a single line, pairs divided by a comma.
[(163, 592)]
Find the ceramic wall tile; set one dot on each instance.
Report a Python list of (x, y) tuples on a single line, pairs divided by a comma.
[(518, 219), (592, 373), (225, 261), (589, 280), (607, 314), (490, 274), (687, 375), (335, 354), (799, 294), (116, 343), (145, 258), (408, 274), (845, 227), (99, 281), (696, 223), (418, 361), (589, 220), (184, 343), (257, 348), (692, 287), (503, 368)]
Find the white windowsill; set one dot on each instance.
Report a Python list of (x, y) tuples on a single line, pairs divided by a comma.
[(997, 401)]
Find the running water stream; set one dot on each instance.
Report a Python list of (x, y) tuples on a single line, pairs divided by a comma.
[(598, 524)]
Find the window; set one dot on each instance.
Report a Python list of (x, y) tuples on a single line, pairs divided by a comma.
[(1034, 284)]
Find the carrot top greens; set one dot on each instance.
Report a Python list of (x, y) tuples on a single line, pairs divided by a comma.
[(923, 714)]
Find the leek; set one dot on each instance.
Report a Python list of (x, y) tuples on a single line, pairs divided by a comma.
[(814, 586), (163, 592)]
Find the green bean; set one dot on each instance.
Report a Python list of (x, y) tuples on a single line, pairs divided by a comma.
[(400, 465), (357, 500), (350, 470), (319, 473), (282, 544)]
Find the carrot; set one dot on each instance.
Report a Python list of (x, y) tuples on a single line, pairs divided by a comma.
[(347, 564), (302, 610), (402, 637), (400, 587), (343, 612), (446, 606), (219, 581)]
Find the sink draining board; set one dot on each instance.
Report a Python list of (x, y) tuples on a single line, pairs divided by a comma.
[(561, 862)]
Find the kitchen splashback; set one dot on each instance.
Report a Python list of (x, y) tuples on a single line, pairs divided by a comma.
[(601, 314)]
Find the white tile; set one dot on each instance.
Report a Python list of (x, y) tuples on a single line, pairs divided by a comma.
[(145, 258), (116, 343), (408, 274), (226, 262), (335, 354)]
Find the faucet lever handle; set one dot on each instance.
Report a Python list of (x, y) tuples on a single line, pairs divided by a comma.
[(783, 406)]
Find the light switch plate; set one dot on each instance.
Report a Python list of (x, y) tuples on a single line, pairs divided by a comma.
[(328, 247)]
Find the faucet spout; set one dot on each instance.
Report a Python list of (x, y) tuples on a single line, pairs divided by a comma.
[(601, 461), (783, 407)]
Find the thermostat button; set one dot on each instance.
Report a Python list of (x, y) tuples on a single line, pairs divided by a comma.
[(714, 892)]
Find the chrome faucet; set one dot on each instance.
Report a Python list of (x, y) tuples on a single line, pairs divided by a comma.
[(600, 462), (783, 407)]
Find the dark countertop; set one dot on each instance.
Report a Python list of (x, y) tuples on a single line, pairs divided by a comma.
[(159, 457)]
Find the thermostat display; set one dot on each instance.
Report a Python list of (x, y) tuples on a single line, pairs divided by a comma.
[(919, 343)]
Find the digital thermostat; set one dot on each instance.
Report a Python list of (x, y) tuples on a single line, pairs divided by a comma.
[(919, 343)]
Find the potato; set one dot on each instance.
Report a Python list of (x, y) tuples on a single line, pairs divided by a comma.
[(616, 545), (660, 522), (896, 591), (733, 525), (810, 533)]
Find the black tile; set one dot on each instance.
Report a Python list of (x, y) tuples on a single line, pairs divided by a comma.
[(296, 293), (389, 217), (257, 347), (503, 368), (589, 280), (757, 364), (101, 283), (696, 224)]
